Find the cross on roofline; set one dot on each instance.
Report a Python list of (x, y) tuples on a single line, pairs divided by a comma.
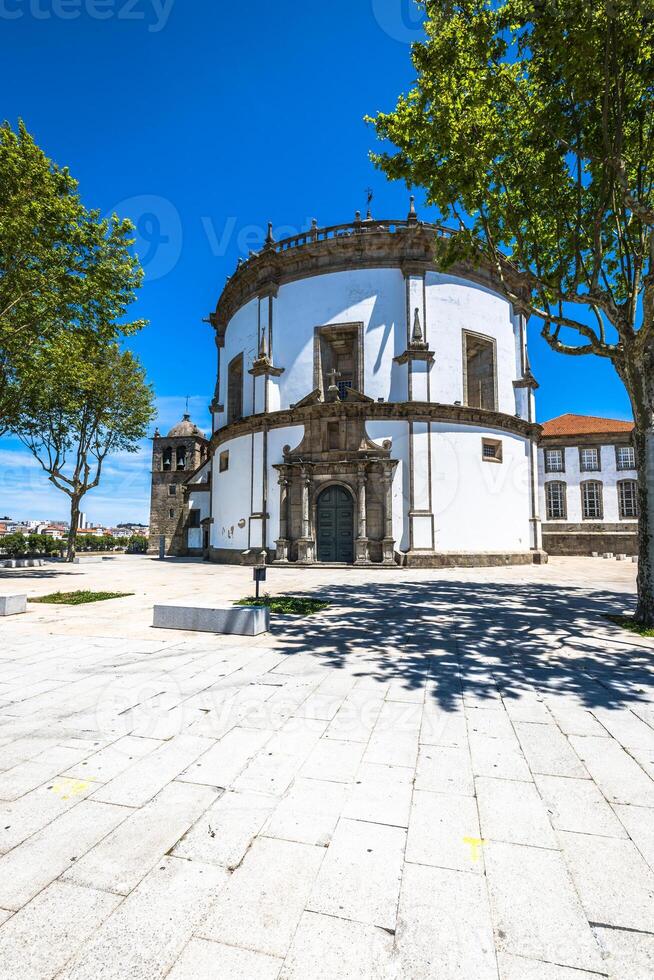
[(334, 374)]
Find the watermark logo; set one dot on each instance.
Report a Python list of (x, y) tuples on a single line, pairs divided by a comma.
[(158, 233), (154, 14), (403, 20)]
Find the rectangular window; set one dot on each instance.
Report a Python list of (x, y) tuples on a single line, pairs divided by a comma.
[(479, 381), (590, 460), (555, 460), (628, 500), (592, 505), (338, 358), (491, 450), (172, 490), (194, 518), (556, 501), (235, 389), (224, 462), (626, 457)]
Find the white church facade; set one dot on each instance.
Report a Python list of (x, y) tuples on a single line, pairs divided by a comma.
[(370, 408)]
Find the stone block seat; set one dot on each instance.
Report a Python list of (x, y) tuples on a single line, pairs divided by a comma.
[(202, 616), (13, 605)]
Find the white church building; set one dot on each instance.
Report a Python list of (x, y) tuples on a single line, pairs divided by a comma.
[(370, 408)]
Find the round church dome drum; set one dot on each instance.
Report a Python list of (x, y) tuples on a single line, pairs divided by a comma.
[(371, 407)]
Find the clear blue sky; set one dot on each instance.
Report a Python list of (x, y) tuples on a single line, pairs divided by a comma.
[(201, 120)]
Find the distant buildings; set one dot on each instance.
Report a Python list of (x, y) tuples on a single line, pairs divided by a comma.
[(59, 529)]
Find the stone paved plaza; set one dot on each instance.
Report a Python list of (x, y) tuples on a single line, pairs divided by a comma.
[(445, 775)]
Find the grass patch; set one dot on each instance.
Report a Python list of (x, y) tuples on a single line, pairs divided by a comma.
[(628, 623), (79, 598), (287, 605)]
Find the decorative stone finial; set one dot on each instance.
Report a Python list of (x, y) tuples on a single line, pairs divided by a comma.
[(413, 217), (416, 337), (357, 217), (262, 346), (270, 240)]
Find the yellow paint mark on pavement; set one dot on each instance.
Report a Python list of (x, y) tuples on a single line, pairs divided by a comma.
[(69, 788), (475, 844)]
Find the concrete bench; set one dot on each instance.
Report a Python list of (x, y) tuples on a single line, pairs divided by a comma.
[(13, 605), (23, 562), (200, 616)]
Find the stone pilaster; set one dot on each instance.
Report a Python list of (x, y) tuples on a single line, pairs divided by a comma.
[(362, 556)]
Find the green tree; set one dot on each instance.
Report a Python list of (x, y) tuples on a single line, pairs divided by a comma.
[(137, 545), (531, 127), (62, 266), (88, 400), (14, 544)]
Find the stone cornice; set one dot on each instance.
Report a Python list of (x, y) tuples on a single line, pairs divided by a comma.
[(362, 245), (374, 412)]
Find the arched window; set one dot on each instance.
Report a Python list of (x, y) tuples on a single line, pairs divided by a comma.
[(181, 457), (479, 372), (167, 458), (592, 501), (556, 501), (235, 390), (628, 500)]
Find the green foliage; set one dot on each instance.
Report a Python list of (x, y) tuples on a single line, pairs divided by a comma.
[(88, 399), (530, 126), (79, 598), (630, 624), (62, 266), (137, 545), (287, 605), (14, 545)]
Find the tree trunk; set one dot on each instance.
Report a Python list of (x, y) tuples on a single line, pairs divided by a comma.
[(645, 449), (74, 523), (638, 377)]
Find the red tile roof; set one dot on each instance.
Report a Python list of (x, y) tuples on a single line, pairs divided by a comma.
[(583, 425)]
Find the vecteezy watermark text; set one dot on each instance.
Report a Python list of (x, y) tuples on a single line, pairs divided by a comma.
[(154, 13)]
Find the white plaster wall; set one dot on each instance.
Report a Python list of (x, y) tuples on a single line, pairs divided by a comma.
[(377, 298), (231, 495), (198, 500), (241, 337), (277, 439), (455, 305), (479, 506), (398, 433), (609, 476), (374, 297)]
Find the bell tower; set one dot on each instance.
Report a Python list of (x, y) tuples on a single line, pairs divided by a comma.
[(174, 458)]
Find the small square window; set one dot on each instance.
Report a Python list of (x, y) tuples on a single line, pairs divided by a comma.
[(626, 457), (194, 518), (224, 462), (555, 461), (590, 460), (172, 490), (491, 450), (171, 513)]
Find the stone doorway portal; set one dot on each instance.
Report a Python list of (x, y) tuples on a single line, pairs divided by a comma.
[(335, 520)]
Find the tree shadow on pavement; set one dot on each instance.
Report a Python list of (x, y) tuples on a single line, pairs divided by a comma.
[(482, 638)]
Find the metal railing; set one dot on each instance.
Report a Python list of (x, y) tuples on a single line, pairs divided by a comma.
[(352, 229)]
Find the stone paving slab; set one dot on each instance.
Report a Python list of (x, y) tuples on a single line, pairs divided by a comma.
[(389, 789)]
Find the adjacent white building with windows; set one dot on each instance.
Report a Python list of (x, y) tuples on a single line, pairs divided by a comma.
[(371, 407), (588, 486)]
